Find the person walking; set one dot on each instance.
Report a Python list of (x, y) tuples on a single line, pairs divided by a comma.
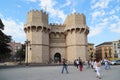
[(106, 63), (65, 66), (97, 68), (80, 64), (92, 64), (77, 63), (88, 64)]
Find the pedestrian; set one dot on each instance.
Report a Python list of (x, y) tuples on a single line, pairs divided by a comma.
[(77, 63), (92, 64), (88, 64), (107, 65), (97, 68), (65, 66), (80, 64)]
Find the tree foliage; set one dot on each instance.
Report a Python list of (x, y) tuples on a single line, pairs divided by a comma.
[(4, 47), (20, 54)]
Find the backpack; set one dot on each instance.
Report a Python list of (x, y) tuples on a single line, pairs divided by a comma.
[(98, 64)]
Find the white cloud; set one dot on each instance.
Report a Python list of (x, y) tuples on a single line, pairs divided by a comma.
[(73, 11), (19, 6), (54, 12), (93, 1), (67, 3), (47, 3), (115, 25), (32, 0), (94, 31), (98, 28), (101, 4), (112, 12), (102, 19), (105, 20), (96, 14), (116, 18), (14, 29), (1, 15)]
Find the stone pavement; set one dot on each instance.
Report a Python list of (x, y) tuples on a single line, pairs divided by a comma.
[(54, 73)]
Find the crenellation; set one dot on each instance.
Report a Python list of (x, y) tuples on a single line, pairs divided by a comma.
[(75, 20), (35, 17), (57, 25)]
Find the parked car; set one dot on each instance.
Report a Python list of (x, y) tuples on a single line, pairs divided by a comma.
[(113, 62)]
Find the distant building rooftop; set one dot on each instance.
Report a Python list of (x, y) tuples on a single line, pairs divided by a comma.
[(105, 43)]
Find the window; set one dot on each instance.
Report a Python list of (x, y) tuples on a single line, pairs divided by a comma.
[(119, 45)]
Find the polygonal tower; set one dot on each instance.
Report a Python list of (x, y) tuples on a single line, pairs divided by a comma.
[(76, 37), (37, 32)]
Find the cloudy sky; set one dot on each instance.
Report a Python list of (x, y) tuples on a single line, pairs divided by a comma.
[(102, 16)]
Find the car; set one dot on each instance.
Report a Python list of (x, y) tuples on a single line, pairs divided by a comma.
[(114, 62)]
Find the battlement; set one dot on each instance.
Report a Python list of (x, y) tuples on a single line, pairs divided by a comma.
[(75, 19), (76, 14), (37, 12), (35, 17), (56, 25)]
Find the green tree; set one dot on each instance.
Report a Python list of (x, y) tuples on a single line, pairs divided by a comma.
[(20, 54), (4, 47)]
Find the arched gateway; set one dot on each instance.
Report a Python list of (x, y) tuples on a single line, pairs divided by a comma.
[(57, 57)]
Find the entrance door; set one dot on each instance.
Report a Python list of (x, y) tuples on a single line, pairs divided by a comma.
[(57, 57)]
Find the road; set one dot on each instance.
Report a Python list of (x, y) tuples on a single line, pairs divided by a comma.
[(54, 73)]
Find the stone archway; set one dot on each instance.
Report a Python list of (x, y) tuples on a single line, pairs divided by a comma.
[(57, 57)]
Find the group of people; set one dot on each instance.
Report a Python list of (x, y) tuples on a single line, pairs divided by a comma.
[(78, 63), (96, 64)]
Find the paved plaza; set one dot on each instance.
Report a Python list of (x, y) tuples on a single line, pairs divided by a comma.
[(54, 73)]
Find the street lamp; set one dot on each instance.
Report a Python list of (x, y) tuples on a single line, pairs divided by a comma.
[(27, 42)]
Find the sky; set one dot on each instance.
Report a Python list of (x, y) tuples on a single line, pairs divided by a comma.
[(102, 16)]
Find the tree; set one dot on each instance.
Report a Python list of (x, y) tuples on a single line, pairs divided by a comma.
[(4, 47), (20, 54)]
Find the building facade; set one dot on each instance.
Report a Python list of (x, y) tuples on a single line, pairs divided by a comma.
[(52, 42), (91, 51), (104, 50), (116, 48), (14, 46)]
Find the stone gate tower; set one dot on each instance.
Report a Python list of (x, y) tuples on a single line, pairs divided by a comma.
[(76, 36), (37, 32), (52, 42)]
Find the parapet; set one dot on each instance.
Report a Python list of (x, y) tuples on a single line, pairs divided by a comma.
[(75, 19), (57, 27), (36, 17), (56, 24), (37, 12)]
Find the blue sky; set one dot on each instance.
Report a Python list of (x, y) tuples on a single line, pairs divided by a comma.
[(102, 16)]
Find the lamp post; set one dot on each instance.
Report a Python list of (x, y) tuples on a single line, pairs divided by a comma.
[(27, 42)]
